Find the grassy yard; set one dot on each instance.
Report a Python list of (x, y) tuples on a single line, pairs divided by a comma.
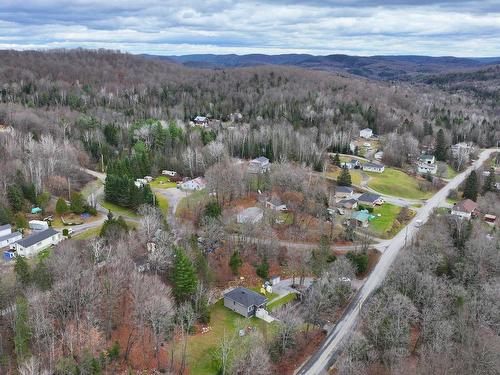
[(88, 234), (162, 203), (450, 172), (117, 210), (191, 200), (222, 322), (355, 175), (396, 183), (282, 301), (162, 182), (381, 226)]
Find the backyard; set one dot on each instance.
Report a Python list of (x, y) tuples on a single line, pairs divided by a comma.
[(202, 346), (383, 226), (356, 177), (396, 183), (118, 210), (162, 182)]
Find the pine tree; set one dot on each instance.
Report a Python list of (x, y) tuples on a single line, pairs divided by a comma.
[(15, 197), (344, 178), (336, 160), (23, 270), (471, 188), (441, 146), (77, 203), (235, 262), (183, 276), (489, 182), (61, 206)]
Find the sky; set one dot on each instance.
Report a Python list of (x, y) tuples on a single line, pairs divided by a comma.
[(165, 27)]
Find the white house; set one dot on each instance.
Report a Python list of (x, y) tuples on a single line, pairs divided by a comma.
[(463, 148), (259, 165), (373, 167), (366, 133), (201, 121), (251, 215), (343, 192), (197, 183), (169, 173), (37, 242), (465, 209), (426, 168), (427, 159), (140, 182), (8, 237)]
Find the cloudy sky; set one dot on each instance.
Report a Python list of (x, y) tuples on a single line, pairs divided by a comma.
[(165, 27)]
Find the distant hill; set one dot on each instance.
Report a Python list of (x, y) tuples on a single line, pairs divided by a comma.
[(403, 67)]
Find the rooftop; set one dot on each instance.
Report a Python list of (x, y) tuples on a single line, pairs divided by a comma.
[(5, 227), (37, 237), (261, 159), (246, 297), (368, 197), (373, 165), (10, 235), (466, 205), (343, 189)]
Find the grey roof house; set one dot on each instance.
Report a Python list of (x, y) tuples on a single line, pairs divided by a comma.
[(370, 198), (244, 301), (259, 165), (35, 243), (343, 191)]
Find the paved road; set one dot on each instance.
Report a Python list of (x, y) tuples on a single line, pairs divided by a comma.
[(331, 347)]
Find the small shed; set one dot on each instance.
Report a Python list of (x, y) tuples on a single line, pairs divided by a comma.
[(275, 279)]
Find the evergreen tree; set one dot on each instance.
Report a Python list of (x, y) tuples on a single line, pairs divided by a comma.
[(336, 160), (344, 178), (262, 269), (61, 206), (441, 146), (213, 209), (489, 182), (77, 203), (235, 262), (183, 276), (5, 215), (471, 187), (15, 197), (22, 270), (42, 276)]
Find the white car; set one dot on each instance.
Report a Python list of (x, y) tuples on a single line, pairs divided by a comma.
[(345, 279)]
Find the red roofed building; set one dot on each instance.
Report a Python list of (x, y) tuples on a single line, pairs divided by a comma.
[(465, 209)]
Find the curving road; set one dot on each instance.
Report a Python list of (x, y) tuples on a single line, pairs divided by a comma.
[(331, 347)]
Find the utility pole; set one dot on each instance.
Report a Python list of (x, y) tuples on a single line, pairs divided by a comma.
[(69, 189), (102, 163)]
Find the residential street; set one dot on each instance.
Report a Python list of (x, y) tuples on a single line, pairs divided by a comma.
[(332, 345)]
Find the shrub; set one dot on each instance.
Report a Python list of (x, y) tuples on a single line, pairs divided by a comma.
[(262, 270), (359, 260)]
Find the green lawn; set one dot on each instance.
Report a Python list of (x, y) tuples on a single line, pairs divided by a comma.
[(117, 210), (282, 301), (88, 234), (269, 296), (396, 183), (450, 172), (162, 203), (222, 321), (162, 182), (355, 175), (381, 226)]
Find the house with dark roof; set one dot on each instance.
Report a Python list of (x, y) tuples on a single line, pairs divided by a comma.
[(244, 301), (8, 237), (37, 242), (348, 204), (343, 191), (465, 209), (370, 199)]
